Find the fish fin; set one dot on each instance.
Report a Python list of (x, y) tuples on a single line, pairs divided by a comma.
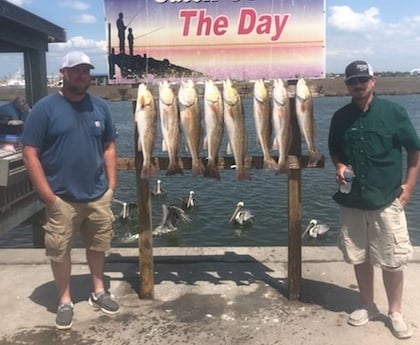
[(174, 168), (198, 168), (148, 171), (243, 175), (282, 167), (314, 158), (270, 164), (212, 170)]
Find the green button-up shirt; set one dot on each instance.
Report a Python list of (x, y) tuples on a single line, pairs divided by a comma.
[(371, 142)]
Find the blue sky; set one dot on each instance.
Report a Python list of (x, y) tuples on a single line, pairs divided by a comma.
[(384, 32)]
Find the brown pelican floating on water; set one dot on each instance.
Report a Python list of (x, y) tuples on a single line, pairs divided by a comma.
[(241, 216), (157, 189), (127, 208), (190, 201), (170, 216), (315, 230)]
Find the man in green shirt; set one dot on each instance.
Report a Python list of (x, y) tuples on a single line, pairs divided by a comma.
[(369, 134)]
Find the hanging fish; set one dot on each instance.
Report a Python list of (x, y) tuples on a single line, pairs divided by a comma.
[(280, 119), (213, 119), (190, 115), (234, 119), (146, 121), (170, 125), (262, 119), (305, 119)]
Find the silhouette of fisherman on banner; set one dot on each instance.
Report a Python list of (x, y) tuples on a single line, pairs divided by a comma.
[(121, 31), (130, 39)]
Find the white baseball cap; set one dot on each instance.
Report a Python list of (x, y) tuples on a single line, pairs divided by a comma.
[(75, 58)]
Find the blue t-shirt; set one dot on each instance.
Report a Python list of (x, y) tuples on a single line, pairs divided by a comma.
[(71, 137)]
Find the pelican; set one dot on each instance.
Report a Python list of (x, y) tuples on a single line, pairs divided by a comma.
[(170, 216), (127, 208), (241, 216), (190, 201), (315, 230), (158, 189)]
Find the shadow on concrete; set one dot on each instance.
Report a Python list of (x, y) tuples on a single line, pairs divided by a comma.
[(240, 269), (329, 296), (81, 288)]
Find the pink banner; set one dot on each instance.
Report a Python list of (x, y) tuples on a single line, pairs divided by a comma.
[(215, 39)]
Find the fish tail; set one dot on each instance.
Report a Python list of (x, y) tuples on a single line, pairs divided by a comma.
[(197, 168), (148, 171), (270, 164), (174, 168), (282, 166), (243, 175), (314, 157), (211, 170)]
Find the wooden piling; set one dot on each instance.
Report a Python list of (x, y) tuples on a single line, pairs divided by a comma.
[(144, 211)]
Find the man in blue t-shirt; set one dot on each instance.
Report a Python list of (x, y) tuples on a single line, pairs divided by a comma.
[(70, 153)]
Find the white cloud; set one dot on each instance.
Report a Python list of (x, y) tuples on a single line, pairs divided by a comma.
[(85, 19), (345, 19), (74, 4)]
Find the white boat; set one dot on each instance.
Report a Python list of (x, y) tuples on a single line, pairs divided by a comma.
[(18, 80)]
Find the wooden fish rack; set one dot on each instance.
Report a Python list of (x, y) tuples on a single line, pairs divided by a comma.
[(296, 162)]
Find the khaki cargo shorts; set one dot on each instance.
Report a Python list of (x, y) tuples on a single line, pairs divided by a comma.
[(376, 236), (94, 221)]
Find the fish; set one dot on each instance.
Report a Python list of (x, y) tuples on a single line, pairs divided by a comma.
[(190, 115), (305, 119), (170, 216), (280, 119), (234, 120), (315, 229), (241, 216), (262, 119), (170, 125), (146, 121), (213, 120)]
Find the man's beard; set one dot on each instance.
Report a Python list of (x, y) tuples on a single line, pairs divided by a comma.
[(76, 88)]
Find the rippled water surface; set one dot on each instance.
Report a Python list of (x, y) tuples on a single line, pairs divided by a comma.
[(266, 194)]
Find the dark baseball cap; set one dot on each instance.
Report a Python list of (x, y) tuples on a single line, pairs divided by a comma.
[(357, 69)]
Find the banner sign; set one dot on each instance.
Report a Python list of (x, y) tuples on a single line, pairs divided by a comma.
[(215, 39)]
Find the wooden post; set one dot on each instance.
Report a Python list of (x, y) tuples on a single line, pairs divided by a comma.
[(295, 212), (144, 209)]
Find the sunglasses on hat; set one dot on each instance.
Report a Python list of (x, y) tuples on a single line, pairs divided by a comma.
[(360, 80)]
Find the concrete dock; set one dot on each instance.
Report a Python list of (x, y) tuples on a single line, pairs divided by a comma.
[(222, 295)]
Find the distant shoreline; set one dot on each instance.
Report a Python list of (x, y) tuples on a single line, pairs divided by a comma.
[(320, 87)]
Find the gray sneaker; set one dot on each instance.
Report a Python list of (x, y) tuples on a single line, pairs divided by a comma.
[(105, 302), (64, 318)]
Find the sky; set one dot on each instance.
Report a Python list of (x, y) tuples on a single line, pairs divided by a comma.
[(386, 33)]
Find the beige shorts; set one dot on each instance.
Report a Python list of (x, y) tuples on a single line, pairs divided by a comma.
[(376, 236), (94, 221)]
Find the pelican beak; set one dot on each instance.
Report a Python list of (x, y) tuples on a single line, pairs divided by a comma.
[(232, 218)]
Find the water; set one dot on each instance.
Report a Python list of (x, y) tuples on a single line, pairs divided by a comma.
[(266, 195)]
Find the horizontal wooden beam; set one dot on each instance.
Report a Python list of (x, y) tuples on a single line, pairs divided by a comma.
[(251, 162)]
